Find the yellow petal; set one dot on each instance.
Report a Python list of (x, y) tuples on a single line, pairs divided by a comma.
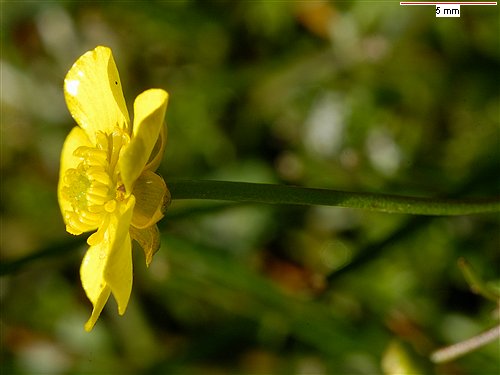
[(98, 306), (75, 139), (94, 94), (119, 273), (148, 239), (149, 112), (158, 150), (92, 276), (118, 269), (152, 198), (107, 265)]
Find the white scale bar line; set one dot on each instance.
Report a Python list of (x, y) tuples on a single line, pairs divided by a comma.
[(447, 3)]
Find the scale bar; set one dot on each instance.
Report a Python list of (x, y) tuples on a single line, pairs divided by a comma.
[(447, 3)]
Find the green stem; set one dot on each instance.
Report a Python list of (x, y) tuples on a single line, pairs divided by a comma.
[(54, 250), (284, 194), (476, 284)]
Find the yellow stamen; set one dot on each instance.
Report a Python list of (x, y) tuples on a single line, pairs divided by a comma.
[(93, 187), (110, 206)]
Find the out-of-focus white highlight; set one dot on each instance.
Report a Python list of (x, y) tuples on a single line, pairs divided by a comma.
[(324, 127), (383, 152)]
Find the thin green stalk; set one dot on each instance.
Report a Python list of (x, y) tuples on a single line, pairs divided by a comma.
[(56, 249), (476, 284), (284, 194)]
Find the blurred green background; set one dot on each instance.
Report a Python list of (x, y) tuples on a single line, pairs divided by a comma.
[(360, 96)]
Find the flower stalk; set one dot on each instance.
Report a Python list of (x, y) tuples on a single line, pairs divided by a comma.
[(284, 194)]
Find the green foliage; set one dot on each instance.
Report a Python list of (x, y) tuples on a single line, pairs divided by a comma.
[(359, 96)]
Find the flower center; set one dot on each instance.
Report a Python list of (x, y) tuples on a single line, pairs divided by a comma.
[(94, 187)]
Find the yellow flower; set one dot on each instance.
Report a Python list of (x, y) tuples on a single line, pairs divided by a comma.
[(107, 181)]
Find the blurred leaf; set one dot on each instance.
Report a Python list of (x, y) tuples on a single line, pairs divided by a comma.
[(397, 361)]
